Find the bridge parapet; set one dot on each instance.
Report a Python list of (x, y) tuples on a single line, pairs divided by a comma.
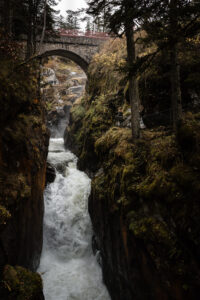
[(80, 40), (80, 49), (92, 40)]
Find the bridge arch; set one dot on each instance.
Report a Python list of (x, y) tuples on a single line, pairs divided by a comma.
[(68, 54)]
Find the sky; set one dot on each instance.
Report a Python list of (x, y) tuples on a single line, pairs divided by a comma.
[(73, 5), (70, 4)]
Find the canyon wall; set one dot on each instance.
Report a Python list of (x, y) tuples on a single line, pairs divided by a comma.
[(144, 200), (23, 151)]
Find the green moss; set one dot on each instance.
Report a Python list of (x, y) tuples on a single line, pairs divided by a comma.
[(151, 178), (103, 76), (165, 151), (98, 185), (152, 185), (20, 284), (49, 106), (23, 143), (78, 112), (25, 190), (4, 215), (118, 137), (159, 187), (185, 177), (149, 228)]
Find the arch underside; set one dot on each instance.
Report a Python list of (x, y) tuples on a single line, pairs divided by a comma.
[(68, 54)]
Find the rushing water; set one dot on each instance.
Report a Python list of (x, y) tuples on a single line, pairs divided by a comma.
[(68, 267)]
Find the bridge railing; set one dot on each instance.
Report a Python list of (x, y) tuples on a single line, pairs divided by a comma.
[(89, 34)]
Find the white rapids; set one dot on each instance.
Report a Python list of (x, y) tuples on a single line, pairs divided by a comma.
[(68, 267)]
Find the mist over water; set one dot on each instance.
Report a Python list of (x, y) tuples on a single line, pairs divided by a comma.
[(68, 267)]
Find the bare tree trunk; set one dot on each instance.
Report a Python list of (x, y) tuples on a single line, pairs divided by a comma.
[(44, 25), (133, 83), (35, 9), (175, 88), (7, 16), (35, 25), (30, 30), (175, 68)]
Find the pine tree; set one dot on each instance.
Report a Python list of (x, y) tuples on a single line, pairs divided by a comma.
[(88, 25), (70, 19), (61, 23), (6, 15), (168, 25), (73, 19), (120, 17), (27, 17)]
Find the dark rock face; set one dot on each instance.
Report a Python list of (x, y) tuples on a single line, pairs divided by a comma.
[(144, 202), (144, 208), (23, 284), (23, 153), (24, 142), (128, 271), (68, 140), (139, 212), (50, 173)]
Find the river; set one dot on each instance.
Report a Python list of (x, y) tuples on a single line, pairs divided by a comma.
[(68, 267)]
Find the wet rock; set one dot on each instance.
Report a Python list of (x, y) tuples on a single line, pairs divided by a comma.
[(72, 98), (61, 168), (61, 113), (75, 89), (19, 283), (50, 173), (67, 140), (63, 92), (23, 153), (49, 76)]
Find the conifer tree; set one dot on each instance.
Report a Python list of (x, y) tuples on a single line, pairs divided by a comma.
[(88, 25), (73, 19), (169, 24), (121, 17), (27, 17)]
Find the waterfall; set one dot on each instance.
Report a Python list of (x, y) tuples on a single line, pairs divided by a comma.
[(68, 267)]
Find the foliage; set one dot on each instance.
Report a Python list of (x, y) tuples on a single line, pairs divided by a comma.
[(4, 215), (72, 21), (151, 187), (27, 18), (9, 49), (104, 76), (19, 283)]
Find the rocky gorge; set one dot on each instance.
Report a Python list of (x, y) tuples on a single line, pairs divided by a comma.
[(24, 171), (63, 82), (24, 142), (144, 199), (68, 267)]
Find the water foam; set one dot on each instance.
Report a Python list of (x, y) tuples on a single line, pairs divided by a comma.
[(68, 267)]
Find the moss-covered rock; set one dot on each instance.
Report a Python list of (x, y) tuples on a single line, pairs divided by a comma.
[(4, 215), (144, 202), (20, 284), (154, 189), (23, 151)]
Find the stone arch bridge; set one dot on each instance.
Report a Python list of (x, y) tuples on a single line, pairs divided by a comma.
[(79, 49)]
